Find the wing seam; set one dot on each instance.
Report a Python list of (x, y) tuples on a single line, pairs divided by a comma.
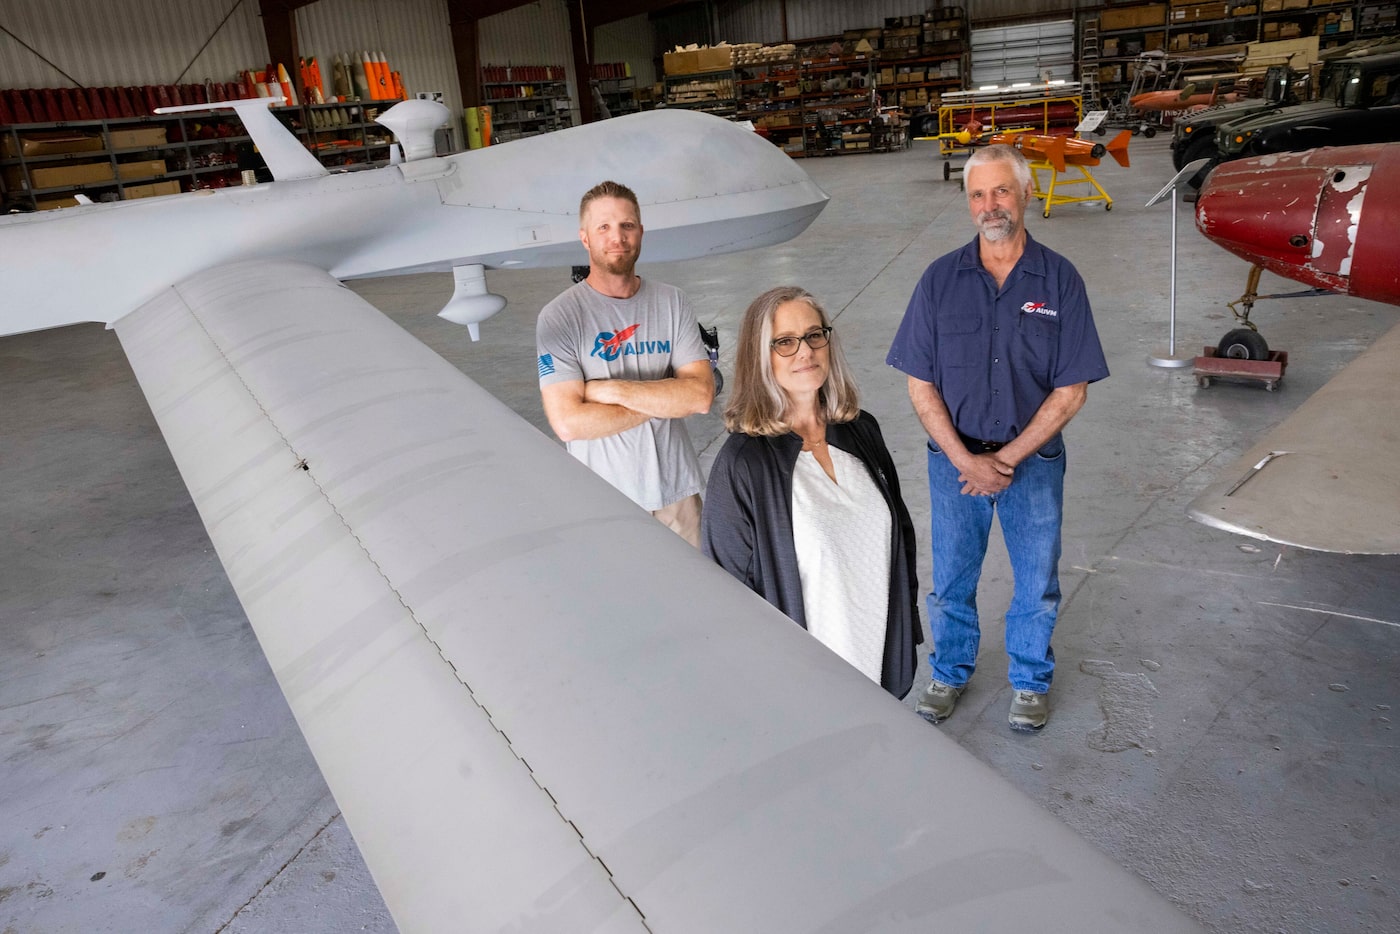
[(301, 463)]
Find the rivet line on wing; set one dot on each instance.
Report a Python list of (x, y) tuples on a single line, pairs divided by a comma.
[(298, 462)]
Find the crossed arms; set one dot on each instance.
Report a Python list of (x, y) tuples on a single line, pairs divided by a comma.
[(580, 411)]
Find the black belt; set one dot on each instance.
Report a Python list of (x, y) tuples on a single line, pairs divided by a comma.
[(978, 446)]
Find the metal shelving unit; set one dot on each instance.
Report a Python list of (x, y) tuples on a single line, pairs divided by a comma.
[(199, 150), (528, 108)]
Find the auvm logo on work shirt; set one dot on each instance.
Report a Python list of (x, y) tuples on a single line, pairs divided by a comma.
[(1038, 308), (610, 345)]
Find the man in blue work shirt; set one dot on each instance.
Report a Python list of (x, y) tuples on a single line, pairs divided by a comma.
[(999, 346)]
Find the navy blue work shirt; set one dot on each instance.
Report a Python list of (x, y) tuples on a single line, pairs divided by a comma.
[(994, 356)]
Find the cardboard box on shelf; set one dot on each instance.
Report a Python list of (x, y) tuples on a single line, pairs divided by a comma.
[(1270, 31), (1289, 30), (59, 176), (716, 59), (49, 143), (146, 168), (1149, 14), (137, 136), (1198, 12), (1271, 6), (77, 174), (53, 204), (1153, 41), (681, 63), (1247, 9), (154, 189), (1295, 4)]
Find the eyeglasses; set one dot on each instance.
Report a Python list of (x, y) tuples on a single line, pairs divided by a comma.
[(787, 346)]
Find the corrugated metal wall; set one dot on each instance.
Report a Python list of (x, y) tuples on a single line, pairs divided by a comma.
[(413, 35), (761, 20), (632, 41), (536, 34), (132, 43)]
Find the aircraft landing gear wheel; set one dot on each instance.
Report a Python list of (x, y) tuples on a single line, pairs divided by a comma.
[(1100, 130), (947, 170), (1243, 344)]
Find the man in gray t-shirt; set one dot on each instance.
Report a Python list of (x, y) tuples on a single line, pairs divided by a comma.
[(621, 363)]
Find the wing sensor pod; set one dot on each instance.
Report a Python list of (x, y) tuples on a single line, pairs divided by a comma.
[(470, 303)]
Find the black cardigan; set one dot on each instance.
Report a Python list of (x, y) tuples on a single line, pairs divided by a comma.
[(747, 529)]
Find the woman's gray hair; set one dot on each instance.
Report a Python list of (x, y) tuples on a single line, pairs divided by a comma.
[(757, 404)]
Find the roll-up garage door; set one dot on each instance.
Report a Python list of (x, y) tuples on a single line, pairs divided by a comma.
[(1023, 53)]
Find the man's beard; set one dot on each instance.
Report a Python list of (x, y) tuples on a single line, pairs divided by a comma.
[(617, 265), (995, 225)]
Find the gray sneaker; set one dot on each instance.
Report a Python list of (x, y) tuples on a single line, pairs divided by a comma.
[(1029, 711), (937, 702)]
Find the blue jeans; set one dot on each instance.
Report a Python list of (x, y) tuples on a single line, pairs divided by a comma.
[(1030, 510)]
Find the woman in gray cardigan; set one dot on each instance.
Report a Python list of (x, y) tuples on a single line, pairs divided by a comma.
[(803, 504)]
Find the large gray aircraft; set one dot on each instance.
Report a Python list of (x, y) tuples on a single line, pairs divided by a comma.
[(681, 758)]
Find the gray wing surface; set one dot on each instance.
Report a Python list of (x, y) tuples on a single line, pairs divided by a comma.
[(538, 709), (1328, 477)]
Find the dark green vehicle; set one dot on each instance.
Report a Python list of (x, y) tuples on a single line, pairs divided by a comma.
[(1358, 102), (1193, 137)]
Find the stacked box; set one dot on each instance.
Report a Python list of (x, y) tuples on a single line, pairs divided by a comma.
[(146, 137), (155, 189), (51, 143), (1149, 14), (77, 174), (681, 63)]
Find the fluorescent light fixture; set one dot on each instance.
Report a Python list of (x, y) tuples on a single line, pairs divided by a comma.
[(1021, 84), (988, 87)]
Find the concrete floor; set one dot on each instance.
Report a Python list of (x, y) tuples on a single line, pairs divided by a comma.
[(1221, 716)]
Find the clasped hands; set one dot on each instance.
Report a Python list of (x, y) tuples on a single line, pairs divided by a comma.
[(985, 474)]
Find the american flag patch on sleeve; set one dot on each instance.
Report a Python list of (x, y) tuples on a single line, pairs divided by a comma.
[(546, 364)]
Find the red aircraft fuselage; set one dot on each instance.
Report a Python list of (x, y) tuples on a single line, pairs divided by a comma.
[(1327, 217)]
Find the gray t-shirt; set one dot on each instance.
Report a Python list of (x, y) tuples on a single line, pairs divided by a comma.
[(583, 335)]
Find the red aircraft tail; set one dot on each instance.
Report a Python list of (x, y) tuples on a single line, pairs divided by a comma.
[(1118, 148)]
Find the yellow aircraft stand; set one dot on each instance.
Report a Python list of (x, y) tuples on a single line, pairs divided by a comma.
[(1051, 198)]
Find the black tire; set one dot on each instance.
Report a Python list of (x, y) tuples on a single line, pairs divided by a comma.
[(947, 170), (1201, 147), (1100, 130), (1243, 344), (1150, 132)]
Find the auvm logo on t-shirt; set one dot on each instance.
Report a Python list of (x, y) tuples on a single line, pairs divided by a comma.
[(610, 345)]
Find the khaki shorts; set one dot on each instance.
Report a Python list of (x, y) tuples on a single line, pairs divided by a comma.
[(683, 518)]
